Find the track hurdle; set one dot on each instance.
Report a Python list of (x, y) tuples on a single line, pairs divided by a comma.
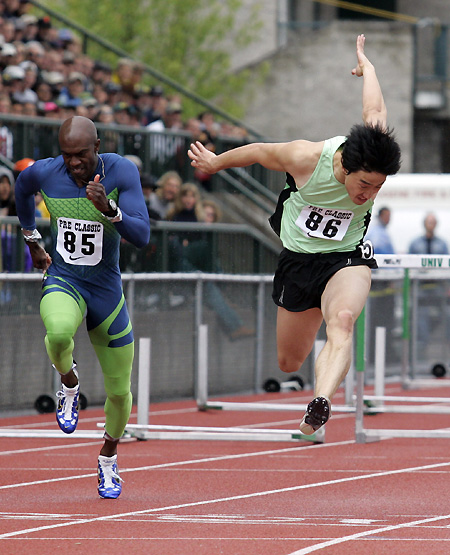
[(143, 430), (434, 405)]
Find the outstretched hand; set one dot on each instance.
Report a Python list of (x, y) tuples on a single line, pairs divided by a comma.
[(362, 59), (202, 158)]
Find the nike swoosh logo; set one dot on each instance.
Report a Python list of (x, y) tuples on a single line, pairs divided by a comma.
[(75, 257)]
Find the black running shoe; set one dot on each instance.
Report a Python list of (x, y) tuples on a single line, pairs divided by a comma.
[(317, 414)]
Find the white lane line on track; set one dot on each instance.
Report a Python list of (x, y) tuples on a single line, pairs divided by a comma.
[(50, 448), (344, 539), (248, 496), (184, 463)]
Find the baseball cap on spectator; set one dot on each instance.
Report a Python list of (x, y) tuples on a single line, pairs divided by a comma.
[(13, 73), (136, 160), (174, 108), (89, 102), (28, 65), (49, 107), (8, 49), (29, 19), (65, 35), (112, 88), (53, 77), (68, 57), (102, 66), (44, 22), (156, 91), (19, 24), (75, 76), (21, 165), (121, 107)]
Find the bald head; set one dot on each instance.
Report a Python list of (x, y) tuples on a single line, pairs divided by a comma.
[(76, 129), (79, 146)]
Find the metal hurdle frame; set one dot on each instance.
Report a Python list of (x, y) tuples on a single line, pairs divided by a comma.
[(143, 430), (406, 262)]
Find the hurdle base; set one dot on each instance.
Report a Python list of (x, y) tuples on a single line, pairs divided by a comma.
[(367, 436), (220, 434)]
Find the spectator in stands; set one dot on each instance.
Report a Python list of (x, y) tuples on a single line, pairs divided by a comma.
[(382, 311), (432, 294), (31, 29), (29, 109), (68, 63), (161, 201), (46, 33), (8, 30), (211, 211), (121, 113), (19, 91), (8, 234), (429, 243), (8, 55), (378, 233), (31, 74), (51, 110), (208, 123), (162, 146), (191, 251), (44, 93), (7, 200), (35, 52), (6, 137), (101, 72), (91, 105), (200, 133), (124, 74), (73, 94), (53, 62), (105, 114), (158, 103)]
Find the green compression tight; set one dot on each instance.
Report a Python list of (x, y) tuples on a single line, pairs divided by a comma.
[(62, 315)]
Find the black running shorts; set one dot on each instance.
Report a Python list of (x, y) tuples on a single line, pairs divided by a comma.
[(300, 279)]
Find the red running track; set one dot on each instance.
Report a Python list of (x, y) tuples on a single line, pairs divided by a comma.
[(234, 498)]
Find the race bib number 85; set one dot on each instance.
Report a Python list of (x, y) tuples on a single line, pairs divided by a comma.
[(324, 223), (80, 242)]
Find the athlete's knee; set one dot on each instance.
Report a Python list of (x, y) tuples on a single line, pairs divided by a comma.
[(118, 398), (118, 390), (343, 322), (59, 333), (289, 364)]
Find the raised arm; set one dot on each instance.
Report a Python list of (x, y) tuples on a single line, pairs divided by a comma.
[(374, 109), (293, 157)]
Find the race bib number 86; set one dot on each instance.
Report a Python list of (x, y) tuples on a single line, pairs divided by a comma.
[(324, 223), (80, 242)]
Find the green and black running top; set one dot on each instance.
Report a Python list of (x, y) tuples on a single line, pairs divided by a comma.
[(320, 217), (85, 243)]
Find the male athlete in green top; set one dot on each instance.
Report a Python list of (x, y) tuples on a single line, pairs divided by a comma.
[(322, 216)]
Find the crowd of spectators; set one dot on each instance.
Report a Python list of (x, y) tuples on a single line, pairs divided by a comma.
[(44, 72)]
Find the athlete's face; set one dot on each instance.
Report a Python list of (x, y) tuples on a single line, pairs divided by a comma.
[(363, 186), (80, 158)]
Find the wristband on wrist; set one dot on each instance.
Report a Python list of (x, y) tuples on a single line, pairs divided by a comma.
[(31, 236)]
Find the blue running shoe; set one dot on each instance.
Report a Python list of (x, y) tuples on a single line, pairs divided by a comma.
[(68, 407), (109, 481)]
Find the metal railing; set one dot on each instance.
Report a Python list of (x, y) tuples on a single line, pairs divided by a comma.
[(231, 248)]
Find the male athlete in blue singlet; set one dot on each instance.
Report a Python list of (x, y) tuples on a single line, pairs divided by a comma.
[(322, 216), (94, 200)]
